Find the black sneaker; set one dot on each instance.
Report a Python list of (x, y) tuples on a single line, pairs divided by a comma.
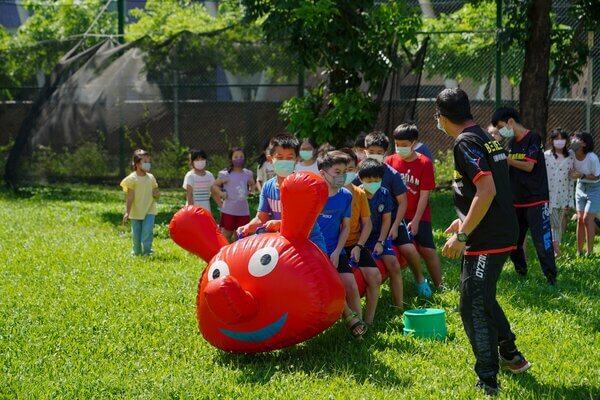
[(488, 388), (517, 364)]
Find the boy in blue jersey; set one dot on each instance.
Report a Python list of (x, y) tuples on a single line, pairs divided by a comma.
[(370, 173), (334, 222), (283, 153), (376, 145)]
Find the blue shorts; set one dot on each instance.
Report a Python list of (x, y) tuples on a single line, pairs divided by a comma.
[(587, 197)]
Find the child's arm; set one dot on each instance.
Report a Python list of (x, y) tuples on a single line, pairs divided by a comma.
[(344, 231), (413, 226), (260, 219), (189, 195), (365, 232), (216, 190), (128, 204), (402, 205), (386, 220)]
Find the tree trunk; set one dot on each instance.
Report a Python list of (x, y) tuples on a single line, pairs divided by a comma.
[(533, 91)]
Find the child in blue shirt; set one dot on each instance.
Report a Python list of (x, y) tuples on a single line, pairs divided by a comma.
[(371, 174), (334, 222), (376, 145), (283, 153)]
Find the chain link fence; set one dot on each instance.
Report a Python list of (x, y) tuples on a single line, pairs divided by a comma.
[(210, 107)]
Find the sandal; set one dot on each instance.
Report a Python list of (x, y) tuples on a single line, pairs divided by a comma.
[(358, 328)]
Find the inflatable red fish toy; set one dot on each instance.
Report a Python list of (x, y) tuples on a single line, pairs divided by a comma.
[(267, 291)]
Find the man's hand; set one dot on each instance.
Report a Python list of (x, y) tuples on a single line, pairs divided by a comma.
[(453, 247), (454, 227), (125, 218), (155, 193)]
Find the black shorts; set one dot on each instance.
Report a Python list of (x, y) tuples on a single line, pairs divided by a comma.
[(424, 237), (403, 236), (366, 260), (344, 265)]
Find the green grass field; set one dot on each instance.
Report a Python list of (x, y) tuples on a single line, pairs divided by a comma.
[(81, 318)]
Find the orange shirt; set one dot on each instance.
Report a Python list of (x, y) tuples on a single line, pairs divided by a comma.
[(360, 209)]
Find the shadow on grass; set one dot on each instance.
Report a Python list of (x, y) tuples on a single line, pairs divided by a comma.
[(527, 381)]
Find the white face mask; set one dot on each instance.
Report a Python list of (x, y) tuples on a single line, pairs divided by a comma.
[(559, 143), (200, 164), (403, 152), (376, 157)]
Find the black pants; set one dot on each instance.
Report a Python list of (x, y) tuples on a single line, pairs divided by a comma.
[(536, 218), (485, 323)]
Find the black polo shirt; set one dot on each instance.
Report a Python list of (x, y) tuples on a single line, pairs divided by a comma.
[(476, 154), (528, 188)]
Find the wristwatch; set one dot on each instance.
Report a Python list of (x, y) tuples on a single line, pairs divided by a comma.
[(382, 243), (462, 237)]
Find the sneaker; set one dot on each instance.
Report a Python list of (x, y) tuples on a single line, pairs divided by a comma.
[(517, 364), (489, 389), (423, 289)]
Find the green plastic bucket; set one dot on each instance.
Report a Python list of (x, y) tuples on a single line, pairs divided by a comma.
[(429, 323)]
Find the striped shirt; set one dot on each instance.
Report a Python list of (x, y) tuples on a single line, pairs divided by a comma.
[(201, 185)]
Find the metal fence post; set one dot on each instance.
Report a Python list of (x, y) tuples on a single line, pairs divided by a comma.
[(176, 105), (498, 53), (121, 102), (589, 95)]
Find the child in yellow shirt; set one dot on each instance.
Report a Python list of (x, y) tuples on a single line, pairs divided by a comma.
[(142, 191)]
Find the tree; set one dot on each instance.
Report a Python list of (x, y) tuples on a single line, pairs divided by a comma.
[(52, 29), (354, 42), (536, 36)]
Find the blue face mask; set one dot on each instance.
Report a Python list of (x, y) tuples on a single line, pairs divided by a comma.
[(284, 168), (372, 187), (146, 166), (506, 132), (306, 155), (350, 177)]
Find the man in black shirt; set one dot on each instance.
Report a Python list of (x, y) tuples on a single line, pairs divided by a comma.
[(529, 186), (486, 231)]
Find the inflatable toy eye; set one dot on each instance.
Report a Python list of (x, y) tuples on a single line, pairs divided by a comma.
[(219, 269), (263, 261)]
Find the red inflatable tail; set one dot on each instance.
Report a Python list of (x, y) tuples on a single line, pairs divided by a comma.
[(194, 229)]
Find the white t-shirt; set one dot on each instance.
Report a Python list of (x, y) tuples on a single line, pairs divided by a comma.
[(200, 186), (265, 172), (590, 165), (308, 168)]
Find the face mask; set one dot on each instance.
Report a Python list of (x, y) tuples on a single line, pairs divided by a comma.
[(576, 146), (337, 181), (376, 157), (146, 166), (200, 164), (360, 155), (238, 162), (559, 143), (372, 187), (440, 127), (306, 155), (506, 132), (284, 168), (350, 177), (403, 151)]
